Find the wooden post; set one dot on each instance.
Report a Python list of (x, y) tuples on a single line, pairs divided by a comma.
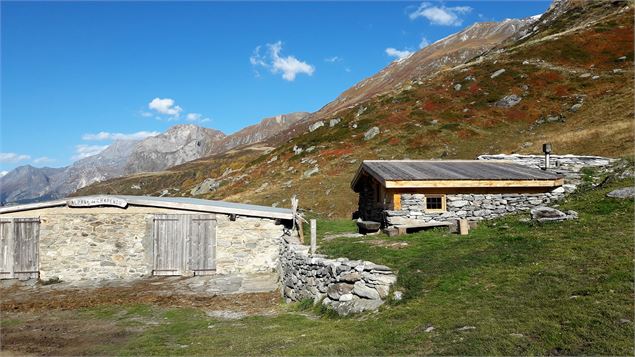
[(464, 227), (313, 236), (301, 229)]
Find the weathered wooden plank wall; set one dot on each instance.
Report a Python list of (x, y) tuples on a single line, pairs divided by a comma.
[(184, 244), (19, 238)]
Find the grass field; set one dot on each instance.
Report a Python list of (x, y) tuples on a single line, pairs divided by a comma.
[(509, 288)]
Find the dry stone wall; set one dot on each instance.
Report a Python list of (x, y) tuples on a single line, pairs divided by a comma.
[(470, 206), (347, 286)]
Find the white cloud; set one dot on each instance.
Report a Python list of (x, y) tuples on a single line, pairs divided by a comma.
[(83, 151), (165, 106), (12, 158), (43, 160), (196, 117), (146, 114), (332, 59), (399, 55), (441, 15), (424, 42), (2, 173), (289, 66), (103, 135)]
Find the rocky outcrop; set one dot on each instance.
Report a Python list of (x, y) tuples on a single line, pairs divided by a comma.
[(346, 286)]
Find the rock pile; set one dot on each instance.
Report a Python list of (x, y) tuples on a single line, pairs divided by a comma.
[(346, 286)]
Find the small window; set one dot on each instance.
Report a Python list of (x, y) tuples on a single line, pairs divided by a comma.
[(435, 203)]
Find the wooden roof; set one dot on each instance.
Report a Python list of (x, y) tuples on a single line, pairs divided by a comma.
[(398, 173), (179, 203)]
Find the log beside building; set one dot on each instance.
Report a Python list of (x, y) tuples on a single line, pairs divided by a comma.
[(419, 192)]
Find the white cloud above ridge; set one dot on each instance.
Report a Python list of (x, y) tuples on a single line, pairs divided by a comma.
[(12, 158), (103, 135), (398, 54), (196, 117), (289, 66), (3, 173), (165, 106), (440, 15), (83, 151), (332, 59)]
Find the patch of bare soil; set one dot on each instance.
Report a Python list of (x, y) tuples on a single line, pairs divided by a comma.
[(44, 321), (59, 333), (30, 299)]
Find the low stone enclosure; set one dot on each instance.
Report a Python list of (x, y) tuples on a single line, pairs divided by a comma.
[(346, 286)]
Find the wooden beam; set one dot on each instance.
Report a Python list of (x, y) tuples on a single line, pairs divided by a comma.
[(396, 201), (474, 183)]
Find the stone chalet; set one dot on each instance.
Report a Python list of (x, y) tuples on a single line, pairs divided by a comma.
[(417, 192)]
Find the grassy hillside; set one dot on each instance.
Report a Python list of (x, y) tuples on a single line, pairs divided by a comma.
[(435, 118), (509, 288)]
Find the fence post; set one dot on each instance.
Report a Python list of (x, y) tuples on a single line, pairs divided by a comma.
[(313, 236)]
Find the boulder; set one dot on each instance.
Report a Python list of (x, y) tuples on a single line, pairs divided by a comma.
[(497, 73), (208, 185), (371, 133), (334, 122), (508, 101), (315, 126), (548, 214), (310, 172), (624, 192)]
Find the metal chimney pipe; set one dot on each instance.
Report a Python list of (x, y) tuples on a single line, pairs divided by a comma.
[(546, 148)]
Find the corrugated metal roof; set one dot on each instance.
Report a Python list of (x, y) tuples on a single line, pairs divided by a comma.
[(184, 203), (424, 170)]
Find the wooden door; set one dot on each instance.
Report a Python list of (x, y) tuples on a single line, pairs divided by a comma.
[(184, 244), (169, 247), (19, 252), (202, 244)]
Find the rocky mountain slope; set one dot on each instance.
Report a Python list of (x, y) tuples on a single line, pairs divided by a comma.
[(443, 54), (179, 144), (568, 80)]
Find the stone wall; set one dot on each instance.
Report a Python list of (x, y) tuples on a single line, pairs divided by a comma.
[(469, 206), (111, 243), (94, 246), (347, 286)]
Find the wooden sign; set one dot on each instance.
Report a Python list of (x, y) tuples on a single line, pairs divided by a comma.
[(97, 201)]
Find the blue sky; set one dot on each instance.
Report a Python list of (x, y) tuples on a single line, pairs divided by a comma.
[(76, 75)]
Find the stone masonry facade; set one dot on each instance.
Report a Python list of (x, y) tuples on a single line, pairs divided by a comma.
[(346, 286), (469, 206), (108, 244)]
